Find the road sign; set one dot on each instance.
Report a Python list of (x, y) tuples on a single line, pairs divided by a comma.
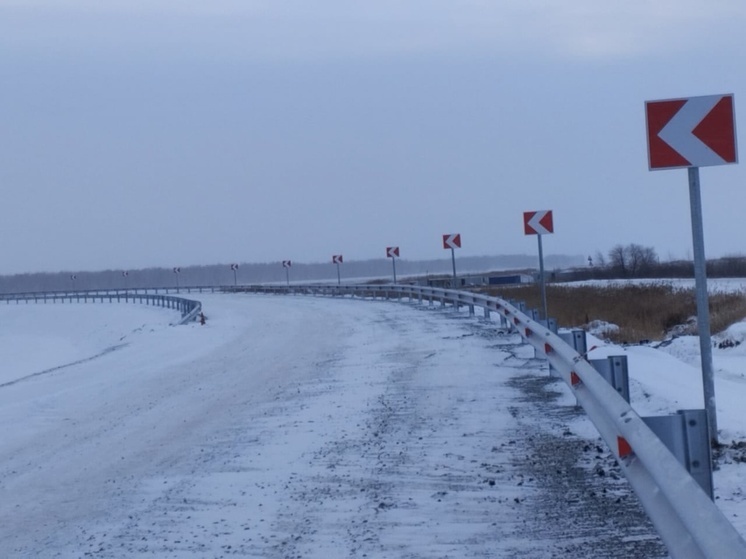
[(452, 241), (538, 223), (337, 259), (125, 273), (392, 252), (177, 270), (286, 263), (691, 132), (234, 267), (695, 132)]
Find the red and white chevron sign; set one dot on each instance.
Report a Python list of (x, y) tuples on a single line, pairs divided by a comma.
[(234, 267), (177, 270), (452, 241), (337, 259), (392, 252), (538, 223), (286, 263), (691, 132)]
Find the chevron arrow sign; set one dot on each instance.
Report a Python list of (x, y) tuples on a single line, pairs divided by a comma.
[(337, 259), (286, 263), (538, 223), (452, 240), (691, 132), (392, 252)]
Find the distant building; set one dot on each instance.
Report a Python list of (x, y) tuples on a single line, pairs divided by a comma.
[(477, 280)]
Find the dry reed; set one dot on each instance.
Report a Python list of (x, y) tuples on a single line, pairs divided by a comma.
[(642, 312)]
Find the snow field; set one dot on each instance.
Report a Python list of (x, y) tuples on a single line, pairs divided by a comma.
[(303, 427)]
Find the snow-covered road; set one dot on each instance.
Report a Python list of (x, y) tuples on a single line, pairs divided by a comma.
[(296, 427)]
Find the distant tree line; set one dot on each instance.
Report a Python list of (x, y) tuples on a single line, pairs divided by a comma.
[(637, 261)]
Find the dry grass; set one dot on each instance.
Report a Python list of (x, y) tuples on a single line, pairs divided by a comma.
[(642, 312)]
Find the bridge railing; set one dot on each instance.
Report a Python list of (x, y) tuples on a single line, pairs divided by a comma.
[(188, 308)]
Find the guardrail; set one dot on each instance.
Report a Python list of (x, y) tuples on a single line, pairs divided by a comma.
[(689, 523), (188, 308)]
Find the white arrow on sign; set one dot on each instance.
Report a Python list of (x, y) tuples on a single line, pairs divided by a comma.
[(538, 223), (452, 241), (679, 132)]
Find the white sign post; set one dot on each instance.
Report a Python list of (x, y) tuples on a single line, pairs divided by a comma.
[(691, 133)]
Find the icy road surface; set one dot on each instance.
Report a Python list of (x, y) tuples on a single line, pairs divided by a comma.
[(296, 427)]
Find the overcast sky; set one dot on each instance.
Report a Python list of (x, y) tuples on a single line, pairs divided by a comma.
[(146, 133)]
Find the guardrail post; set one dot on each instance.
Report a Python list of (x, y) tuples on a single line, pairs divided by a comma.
[(686, 435), (575, 339), (471, 310), (550, 324), (614, 370)]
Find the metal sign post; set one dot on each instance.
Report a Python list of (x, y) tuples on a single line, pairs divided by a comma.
[(286, 264), (177, 271), (703, 309), (540, 223), (453, 241), (393, 252), (234, 267), (453, 262), (689, 133), (542, 280), (337, 259)]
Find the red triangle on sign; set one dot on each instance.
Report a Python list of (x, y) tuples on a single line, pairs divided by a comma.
[(660, 154), (717, 131), (547, 222)]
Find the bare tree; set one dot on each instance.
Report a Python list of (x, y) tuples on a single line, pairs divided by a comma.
[(632, 260), (618, 260)]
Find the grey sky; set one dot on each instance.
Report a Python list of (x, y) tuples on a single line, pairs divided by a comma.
[(163, 133)]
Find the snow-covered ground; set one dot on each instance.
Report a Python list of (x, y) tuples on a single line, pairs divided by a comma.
[(722, 285), (310, 427)]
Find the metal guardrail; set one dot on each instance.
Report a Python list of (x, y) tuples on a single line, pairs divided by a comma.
[(689, 523), (188, 308)]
